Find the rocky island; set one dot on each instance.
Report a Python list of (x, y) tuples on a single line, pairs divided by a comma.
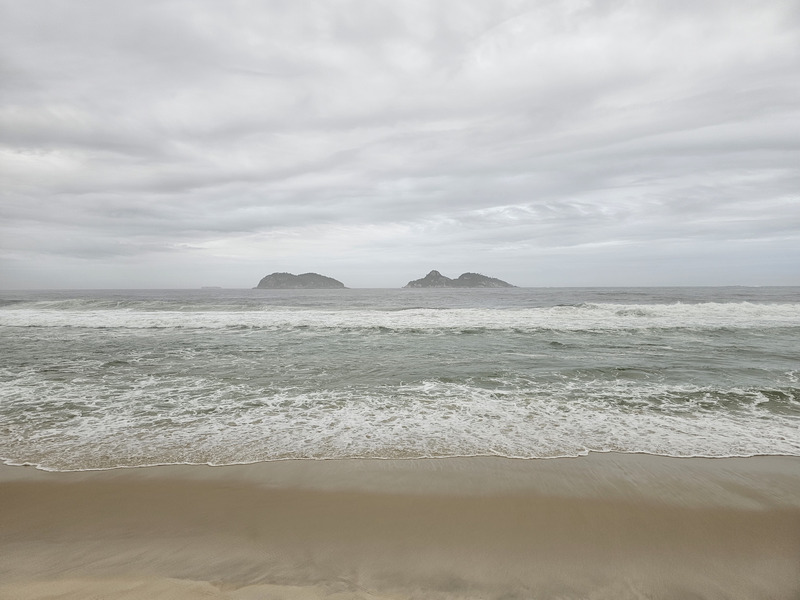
[(434, 279), (305, 281)]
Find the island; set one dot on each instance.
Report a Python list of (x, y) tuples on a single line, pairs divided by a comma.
[(434, 279), (305, 281)]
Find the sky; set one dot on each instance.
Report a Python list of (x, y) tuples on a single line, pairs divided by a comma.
[(179, 144)]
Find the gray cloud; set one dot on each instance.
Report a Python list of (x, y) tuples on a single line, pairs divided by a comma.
[(547, 142)]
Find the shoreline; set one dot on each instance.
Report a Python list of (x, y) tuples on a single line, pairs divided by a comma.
[(7, 462), (605, 525)]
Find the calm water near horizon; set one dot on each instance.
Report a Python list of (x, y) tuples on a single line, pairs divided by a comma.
[(100, 379)]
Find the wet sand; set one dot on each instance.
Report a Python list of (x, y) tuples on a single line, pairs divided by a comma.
[(603, 526)]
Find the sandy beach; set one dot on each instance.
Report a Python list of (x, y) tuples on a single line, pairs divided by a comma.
[(602, 526)]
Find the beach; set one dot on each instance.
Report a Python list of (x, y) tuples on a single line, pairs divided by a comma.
[(606, 525), (498, 444), (399, 300)]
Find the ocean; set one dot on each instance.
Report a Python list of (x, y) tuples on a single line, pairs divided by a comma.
[(104, 379)]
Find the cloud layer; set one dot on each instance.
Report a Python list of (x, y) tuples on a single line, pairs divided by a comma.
[(178, 143)]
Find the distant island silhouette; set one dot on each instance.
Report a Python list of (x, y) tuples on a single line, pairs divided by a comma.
[(434, 279), (305, 281)]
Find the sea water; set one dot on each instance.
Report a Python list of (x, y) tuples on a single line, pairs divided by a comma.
[(102, 379)]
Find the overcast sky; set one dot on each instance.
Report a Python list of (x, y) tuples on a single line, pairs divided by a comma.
[(191, 143)]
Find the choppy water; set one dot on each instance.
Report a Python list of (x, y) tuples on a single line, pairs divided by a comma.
[(123, 378)]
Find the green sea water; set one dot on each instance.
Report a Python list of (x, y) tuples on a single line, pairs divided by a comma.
[(102, 379)]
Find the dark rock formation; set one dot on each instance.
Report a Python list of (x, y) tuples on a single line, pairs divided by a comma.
[(306, 281), (434, 279)]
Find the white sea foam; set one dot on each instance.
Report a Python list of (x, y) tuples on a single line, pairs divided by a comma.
[(743, 315), (87, 425)]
